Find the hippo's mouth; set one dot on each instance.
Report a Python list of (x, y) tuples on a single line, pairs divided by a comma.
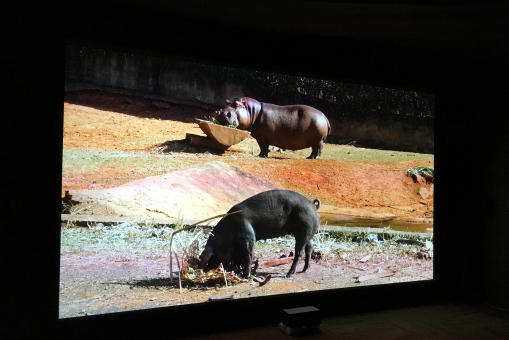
[(226, 120)]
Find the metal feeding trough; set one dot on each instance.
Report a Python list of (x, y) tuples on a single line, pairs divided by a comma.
[(218, 136)]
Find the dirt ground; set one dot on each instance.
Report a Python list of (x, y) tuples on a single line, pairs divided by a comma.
[(95, 123), (104, 283), (96, 120)]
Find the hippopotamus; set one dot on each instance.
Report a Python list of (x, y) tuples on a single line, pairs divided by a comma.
[(263, 216), (292, 127)]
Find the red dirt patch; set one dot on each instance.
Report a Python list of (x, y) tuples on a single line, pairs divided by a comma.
[(196, 192)]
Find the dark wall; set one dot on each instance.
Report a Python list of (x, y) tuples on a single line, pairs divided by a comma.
[(471, 156), (474, 137)]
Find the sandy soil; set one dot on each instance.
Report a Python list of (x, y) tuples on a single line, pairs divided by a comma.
[(93, 283)]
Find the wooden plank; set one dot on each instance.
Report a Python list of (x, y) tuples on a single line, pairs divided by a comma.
[(93, 219), (188, 137), (83, 219), (207, 142), (372, 230), (273, 263)]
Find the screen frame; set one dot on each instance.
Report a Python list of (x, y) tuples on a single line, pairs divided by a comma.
[(233, 310)]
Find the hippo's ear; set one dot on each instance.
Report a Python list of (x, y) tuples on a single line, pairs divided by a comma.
[(228, 101)]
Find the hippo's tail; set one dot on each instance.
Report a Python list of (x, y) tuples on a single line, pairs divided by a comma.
[(328, 130), (317, 203)]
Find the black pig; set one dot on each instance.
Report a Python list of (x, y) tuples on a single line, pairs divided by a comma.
[(266, 215)]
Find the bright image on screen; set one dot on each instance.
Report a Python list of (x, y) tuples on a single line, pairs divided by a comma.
[(188, 183)]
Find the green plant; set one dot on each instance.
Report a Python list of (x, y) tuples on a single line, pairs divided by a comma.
[(420, 170), (210, 120), (66, 207)]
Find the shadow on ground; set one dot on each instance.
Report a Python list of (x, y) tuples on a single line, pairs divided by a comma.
[(155, 283), (183, 145), (136, 106), (164, 283)]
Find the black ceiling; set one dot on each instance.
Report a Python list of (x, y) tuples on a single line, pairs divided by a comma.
[(397, 43), (428, 28)]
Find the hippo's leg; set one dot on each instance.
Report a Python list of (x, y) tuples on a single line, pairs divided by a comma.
[(316, 150), (299, 251), (307, 259), (264, 148)]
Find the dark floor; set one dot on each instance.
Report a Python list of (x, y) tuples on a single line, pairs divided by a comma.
[(444, 321)]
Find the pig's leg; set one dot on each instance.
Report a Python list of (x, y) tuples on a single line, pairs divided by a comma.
[(247, 260), (244, 245), (299, 251), (256, 264), (309, 250), (247, 267), (225, 259)]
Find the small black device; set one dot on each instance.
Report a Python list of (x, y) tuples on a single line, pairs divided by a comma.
[(301, 320)]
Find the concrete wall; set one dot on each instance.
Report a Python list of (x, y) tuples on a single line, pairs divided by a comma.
[(145, 75), (397, 136)]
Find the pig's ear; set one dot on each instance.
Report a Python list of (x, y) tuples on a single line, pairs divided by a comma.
[(238, 103), (228, 101)]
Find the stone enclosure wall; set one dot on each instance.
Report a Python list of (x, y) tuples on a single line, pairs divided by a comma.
[(195, 84), (145, 75)]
